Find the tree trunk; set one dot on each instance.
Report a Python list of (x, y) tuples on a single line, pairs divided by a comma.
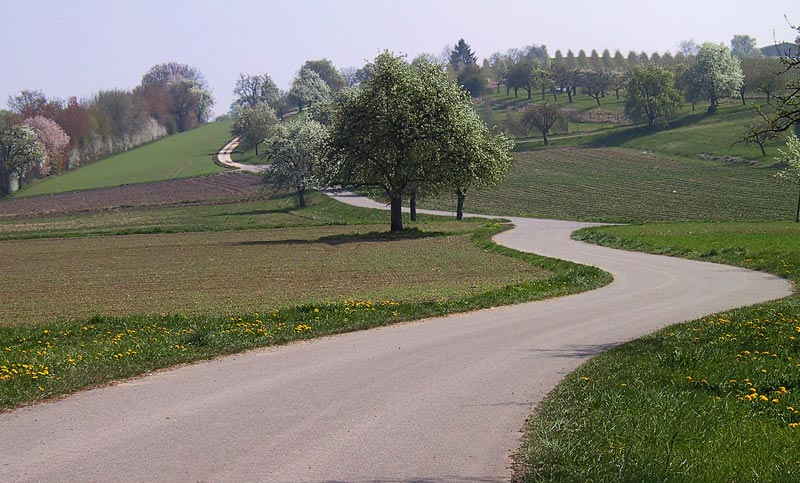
[(460, 206), (569, 95), (797, 214), (397, 213), (256, 149), (555, 96), (529, 93), (616, 92), (597, 98), (5, 186), (516, 92), (301, 196), (508, 90), (741, 93), (713, 107), (413, 205), (498, 88), (761, 145), (544, 135)]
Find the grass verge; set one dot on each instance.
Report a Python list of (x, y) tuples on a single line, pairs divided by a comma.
[(53, 359), (715, 399)]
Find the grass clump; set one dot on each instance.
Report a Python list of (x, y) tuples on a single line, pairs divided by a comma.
[(715, 399)]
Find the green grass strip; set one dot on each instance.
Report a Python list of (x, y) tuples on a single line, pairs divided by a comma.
[(714, 399)]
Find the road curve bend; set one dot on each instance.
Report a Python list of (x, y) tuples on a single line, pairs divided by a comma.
[(224, 157), (439, 400)]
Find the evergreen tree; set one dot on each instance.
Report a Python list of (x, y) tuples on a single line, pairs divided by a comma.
[(462, 55)]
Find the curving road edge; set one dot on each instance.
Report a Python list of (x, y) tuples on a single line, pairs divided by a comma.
[(224, 157), (439, 400)]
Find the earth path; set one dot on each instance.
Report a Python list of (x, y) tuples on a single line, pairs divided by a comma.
[(439, 400)]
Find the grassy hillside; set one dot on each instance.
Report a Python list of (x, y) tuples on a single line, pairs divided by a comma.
[(179, 156), (691, 133), (623, 185)]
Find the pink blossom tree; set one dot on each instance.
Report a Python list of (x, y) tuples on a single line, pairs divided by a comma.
[(54, 140)]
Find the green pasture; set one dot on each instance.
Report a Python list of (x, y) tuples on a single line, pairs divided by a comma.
[(182, 155), (624, 185)]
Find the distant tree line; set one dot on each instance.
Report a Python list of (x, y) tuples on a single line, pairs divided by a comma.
[(171, 98), (390, 124)]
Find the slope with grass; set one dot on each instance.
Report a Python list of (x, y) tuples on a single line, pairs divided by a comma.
[(715, 399), (178, 156), (623, 185), (691, 133)]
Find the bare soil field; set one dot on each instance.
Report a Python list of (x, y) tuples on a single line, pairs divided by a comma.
[(190, 191)]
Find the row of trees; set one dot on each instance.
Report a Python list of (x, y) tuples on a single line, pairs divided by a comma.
[(408, 129), (171, 98)]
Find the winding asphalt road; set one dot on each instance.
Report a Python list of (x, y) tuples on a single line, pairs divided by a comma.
[(224, 157), (439, 400)]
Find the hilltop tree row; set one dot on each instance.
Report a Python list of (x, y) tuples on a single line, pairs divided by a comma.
[(171, 98)]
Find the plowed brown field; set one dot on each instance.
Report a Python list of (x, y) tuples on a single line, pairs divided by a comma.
[(189, 191)]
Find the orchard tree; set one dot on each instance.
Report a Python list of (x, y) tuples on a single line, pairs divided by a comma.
[(253, 123), (184, 90), (327, 72), (296, 151), (251, 90), (350, 76), (744, 46), (543, 118), (401, 131), (755, 134), (791, 173), (29, 103), (688, 48), (651, 95), (472, 79), (308, 87), (714, 74), (519, 76), (594, 83), (479, 159), (787, 99), (566, 78), (20, 149), (54, 141)]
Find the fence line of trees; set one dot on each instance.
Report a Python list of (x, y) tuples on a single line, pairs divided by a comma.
[(171, 98)]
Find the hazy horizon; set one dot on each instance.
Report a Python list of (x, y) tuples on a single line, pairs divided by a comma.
[(77, 48)]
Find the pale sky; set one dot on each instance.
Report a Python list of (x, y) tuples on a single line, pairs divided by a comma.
[(77, 47)]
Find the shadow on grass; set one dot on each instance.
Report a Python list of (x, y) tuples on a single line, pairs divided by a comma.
[(333, 240), (622, 136)]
